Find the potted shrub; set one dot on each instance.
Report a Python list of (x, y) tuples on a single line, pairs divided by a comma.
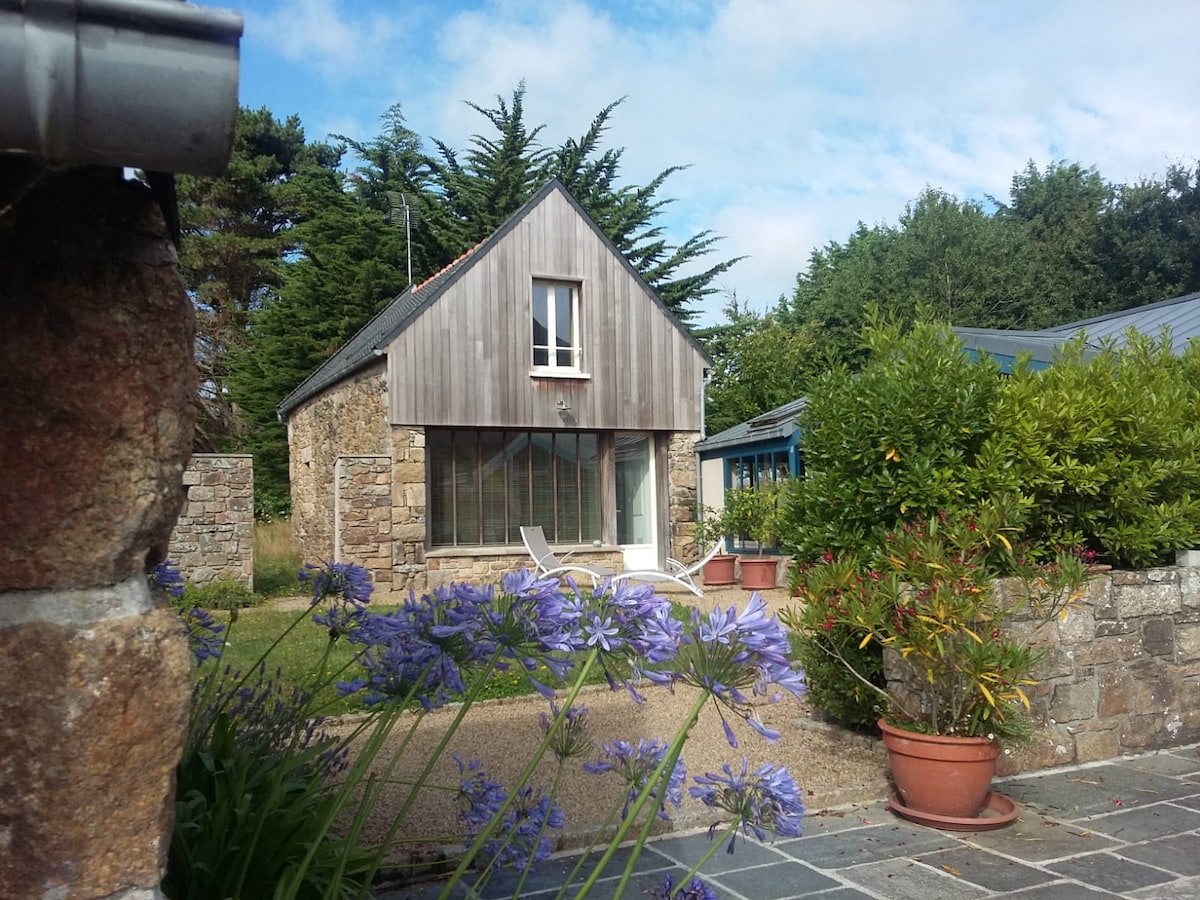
[(754, 513), (957, 679), (711, 528)]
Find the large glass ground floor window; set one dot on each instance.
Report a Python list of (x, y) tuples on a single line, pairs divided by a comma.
[(485, 484)]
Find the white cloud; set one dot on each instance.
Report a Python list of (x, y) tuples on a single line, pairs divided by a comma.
[(799, 117), (332, 36)]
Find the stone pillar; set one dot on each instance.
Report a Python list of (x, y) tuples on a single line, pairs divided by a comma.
[(96, 384)]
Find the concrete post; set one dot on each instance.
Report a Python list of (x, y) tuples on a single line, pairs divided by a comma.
[(96, 384)]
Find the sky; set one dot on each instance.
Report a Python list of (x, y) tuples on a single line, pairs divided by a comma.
[(797, 119)]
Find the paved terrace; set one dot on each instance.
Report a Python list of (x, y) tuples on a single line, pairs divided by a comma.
[(1128, 827)]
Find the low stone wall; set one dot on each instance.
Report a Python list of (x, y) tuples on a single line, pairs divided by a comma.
[(1121, 672), (214, 535), (480, 565)]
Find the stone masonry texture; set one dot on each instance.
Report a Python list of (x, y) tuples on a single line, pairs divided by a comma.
[(213, 538), (364, 515), (96, 386), (93, 325), (349, 419), (1120, 674), (87, 756)]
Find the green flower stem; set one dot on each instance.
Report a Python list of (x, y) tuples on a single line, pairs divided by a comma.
[(537, 841), (660, 778), (475, 847), (708, 854), (469, 697), (588, 850), (262, 657), (383, 725)]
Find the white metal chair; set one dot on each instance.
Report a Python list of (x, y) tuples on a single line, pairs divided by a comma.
[(550, 565)]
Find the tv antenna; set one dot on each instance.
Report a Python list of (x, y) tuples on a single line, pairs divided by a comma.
[(402, 205)]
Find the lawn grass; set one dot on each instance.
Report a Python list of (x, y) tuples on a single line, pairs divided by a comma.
[(277, 559), (297, 655)]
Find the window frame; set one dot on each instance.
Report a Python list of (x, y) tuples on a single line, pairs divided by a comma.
[(447, 533), (551, 347), (748, 467)]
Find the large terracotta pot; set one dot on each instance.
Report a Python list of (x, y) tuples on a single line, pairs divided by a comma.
[(943, 776), (719, 570), (758, 572)]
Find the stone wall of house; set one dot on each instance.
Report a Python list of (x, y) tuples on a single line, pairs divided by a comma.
[(408, 508), (214, 536), (363, 528), (483, 565), (681, 494), (347, 420), (1121, 672)]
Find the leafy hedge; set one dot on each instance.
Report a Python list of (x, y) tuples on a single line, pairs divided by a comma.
[(1105, 450), (1100, 450), (891, 443)]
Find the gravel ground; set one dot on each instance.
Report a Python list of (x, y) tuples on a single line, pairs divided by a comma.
[(833, 767)]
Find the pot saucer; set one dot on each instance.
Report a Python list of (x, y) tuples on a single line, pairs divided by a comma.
[(996, 812)]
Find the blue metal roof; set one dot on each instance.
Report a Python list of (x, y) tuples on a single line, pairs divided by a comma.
[(1181, 315), (772, 425)]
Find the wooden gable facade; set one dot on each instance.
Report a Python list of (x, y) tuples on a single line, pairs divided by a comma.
[(466, 358)]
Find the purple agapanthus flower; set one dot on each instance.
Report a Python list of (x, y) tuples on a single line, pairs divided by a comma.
[(345, 588), (204, 635), (522, 838), (167, 578), (573, 738), (346, 582), (693, 890), (405, 658), (628, 624), (767, 798), (732, 654), (635, 766), (521, 624)]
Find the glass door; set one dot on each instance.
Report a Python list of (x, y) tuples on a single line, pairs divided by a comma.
[(635, 500)]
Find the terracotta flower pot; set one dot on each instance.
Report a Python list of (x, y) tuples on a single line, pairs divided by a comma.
[(944, 776), (719, 570), (758, 572)]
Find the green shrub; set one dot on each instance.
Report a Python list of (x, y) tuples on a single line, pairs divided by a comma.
[(1105, 451), (895, 441), (253, 800), (831, 688), (224, 593)]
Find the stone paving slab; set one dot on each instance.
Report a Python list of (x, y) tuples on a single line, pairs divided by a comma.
[(1111, 872), (1071, 842)]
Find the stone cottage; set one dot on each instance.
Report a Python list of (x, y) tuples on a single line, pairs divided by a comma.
[(537, 380)]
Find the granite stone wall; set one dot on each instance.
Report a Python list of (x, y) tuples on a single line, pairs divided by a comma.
[(364, 515), (96, 390), (488, 565), (1121, 672), (213, 538), (349, 419), (681, 494)]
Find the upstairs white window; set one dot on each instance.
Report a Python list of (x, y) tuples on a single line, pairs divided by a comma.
[(556, 326)]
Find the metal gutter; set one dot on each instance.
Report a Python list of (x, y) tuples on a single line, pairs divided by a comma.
[(148, 84)]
